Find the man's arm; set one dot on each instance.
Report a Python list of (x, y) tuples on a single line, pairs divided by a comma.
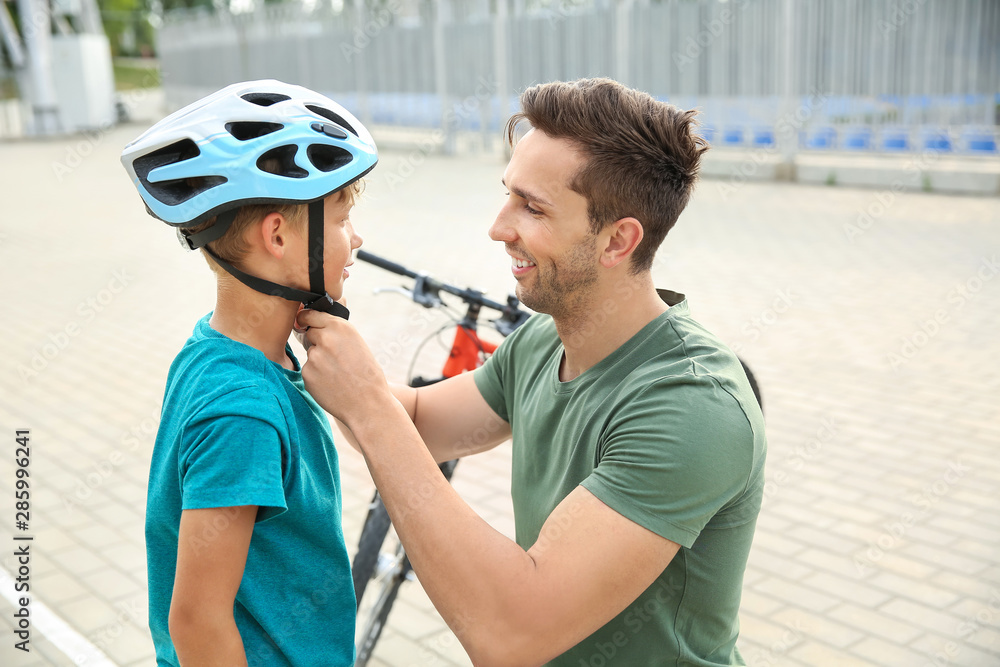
[(210, 563), (451, 417), (507, 606)]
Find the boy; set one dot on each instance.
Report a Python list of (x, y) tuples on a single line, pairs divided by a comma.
[(246, 556)]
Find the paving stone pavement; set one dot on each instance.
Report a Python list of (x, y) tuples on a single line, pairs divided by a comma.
[(869, 317)]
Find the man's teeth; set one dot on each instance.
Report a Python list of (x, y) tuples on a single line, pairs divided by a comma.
[(522, 263)]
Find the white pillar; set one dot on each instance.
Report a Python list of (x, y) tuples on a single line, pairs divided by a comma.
[(441, 77), (36, 24), (787, 135), (623, 16), (500, 62)]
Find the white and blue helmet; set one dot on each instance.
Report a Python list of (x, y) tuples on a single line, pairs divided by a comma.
[(206, 159)]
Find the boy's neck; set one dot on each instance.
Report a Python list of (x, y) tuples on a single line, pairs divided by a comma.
[(261, 321)]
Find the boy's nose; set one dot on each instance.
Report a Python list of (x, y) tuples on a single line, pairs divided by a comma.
[(356, 239)]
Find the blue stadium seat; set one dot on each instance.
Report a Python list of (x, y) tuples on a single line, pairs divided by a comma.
[(733, 137), (937, 140), (763, 138), (858, 139), (821, 138), (980, 141), (895, 140)]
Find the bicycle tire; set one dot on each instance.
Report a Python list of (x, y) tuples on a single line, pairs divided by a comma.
[(365, 564), (373, 534), (376, 617)]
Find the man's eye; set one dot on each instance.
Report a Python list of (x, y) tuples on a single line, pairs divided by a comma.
[(527, 208)]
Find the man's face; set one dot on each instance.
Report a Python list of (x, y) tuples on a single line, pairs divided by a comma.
[(545, 228)]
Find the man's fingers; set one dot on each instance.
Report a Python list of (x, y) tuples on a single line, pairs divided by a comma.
[(309, 319), (301, 337)]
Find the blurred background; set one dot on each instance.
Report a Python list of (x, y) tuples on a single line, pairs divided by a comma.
[(782, 77)]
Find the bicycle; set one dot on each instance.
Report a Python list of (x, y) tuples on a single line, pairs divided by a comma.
[(383, 562)]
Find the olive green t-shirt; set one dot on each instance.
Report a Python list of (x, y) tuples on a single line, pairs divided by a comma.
[(665, 431)]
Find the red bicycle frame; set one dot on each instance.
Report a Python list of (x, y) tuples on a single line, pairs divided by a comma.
[(466, 352)]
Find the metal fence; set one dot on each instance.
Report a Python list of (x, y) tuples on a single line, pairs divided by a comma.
[(871, 75)]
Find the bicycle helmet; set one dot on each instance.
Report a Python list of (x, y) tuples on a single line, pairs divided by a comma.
[(205, 161)]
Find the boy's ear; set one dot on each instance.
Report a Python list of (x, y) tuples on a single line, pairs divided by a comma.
[(623, 237), (273, 234)]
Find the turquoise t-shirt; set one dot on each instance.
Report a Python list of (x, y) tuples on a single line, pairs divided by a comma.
[(238, 429), (666, 431)]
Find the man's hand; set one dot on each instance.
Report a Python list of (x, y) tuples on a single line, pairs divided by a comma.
[(341, 373)]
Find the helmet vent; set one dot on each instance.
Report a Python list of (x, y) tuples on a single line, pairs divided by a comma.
[(331, 116), (179, 190), (281, 161), (185, 149), (246, 130), (328, 158), (265, 99)]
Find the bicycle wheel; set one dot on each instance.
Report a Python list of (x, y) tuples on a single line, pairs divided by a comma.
[(372, 541), (372, 536), (378, 592), (379, 568)]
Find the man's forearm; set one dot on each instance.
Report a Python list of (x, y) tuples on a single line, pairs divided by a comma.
[(407, 397), (478, 580)]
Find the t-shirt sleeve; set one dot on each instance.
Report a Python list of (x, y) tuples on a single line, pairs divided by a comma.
[(494, 378), (230, 458), (679, 453)]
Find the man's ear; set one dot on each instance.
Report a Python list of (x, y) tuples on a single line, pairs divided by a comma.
[(623, 237), (273, 234)]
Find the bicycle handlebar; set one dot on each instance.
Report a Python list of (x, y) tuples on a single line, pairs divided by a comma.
[(383, 263), (426, 288)]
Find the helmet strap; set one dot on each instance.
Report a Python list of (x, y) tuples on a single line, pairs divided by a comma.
[(317, 283), (312, 300), (317, 299), (222, 224)]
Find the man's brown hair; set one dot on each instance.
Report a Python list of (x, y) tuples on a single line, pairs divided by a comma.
[(642, 155)]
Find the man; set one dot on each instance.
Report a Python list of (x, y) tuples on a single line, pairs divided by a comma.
[(638, 447)]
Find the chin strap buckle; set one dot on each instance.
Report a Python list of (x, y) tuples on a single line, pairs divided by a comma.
[(184, 239), (326, 304)]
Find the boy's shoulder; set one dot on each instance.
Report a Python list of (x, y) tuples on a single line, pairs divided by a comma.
[(215, 375)]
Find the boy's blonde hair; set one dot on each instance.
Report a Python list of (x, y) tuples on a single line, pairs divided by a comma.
[(232, 246)]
